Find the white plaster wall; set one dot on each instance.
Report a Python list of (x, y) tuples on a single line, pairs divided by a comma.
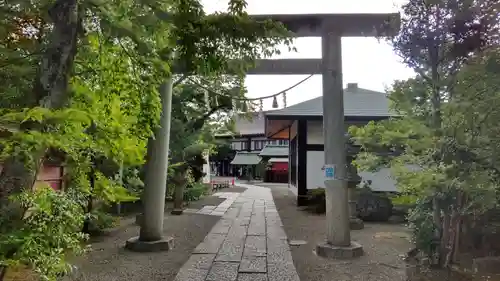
[(381, 180), (315, 161), (293, 188), (236, 144), (315, 132)]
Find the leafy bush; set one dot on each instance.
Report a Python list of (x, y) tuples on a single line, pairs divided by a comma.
[(132, 181), (423, 228), (48, 234), (100, 220), (195, 192), (316, 199), (408, 200)]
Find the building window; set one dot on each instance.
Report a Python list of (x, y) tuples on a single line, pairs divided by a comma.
[(236, 145), (283, 142), (244, 145), (258, 145)]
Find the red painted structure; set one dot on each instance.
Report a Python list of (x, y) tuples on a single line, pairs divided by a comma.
[(52, 175), (280, 167), (277, 172)]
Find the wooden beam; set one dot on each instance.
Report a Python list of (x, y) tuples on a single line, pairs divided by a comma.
[(349, 25)]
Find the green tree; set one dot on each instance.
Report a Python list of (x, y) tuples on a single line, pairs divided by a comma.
[(191, 133), (151, 31), (92, 110), (445, 43)]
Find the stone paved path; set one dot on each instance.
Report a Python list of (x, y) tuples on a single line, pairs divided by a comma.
[(247, 244), (223, 207)]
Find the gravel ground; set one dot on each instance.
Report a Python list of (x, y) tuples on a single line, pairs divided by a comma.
[(383, 245), (109, 261)]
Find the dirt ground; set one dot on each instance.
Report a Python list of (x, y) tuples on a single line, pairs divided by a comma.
[(109, 261), (383, 245)]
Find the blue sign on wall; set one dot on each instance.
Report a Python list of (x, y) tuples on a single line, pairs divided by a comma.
[(329, 172)]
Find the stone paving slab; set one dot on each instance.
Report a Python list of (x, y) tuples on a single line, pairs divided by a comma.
[(255, 246), (222, 208), (247, 244), (253, 264), (223, 271), (210, 244), (252, 277), (231, 250)]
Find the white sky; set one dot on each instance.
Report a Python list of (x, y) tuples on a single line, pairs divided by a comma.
[(371, 64)]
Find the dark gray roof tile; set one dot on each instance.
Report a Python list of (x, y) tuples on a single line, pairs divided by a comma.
[(357, 102), (271, 150)]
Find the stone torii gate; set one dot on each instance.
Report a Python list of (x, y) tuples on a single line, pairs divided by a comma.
[(331, 28)]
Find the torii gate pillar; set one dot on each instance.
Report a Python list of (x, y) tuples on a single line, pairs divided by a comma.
[(331, 28)]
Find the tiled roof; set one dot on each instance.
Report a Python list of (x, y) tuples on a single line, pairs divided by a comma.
[(271, 150), (278, 160), (246, 158), (357, 102)]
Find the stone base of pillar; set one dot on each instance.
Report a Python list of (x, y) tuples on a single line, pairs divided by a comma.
[(177, 212), (356, 224), (136, 245), (327, 250)]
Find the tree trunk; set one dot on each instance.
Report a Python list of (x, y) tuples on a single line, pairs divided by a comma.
[(50, 88), (445, 240), (52, 83), (455, 250), (436, 217), (452, 241), (3, 272)]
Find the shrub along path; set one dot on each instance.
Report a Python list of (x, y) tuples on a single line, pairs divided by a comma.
[(109, 261)]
